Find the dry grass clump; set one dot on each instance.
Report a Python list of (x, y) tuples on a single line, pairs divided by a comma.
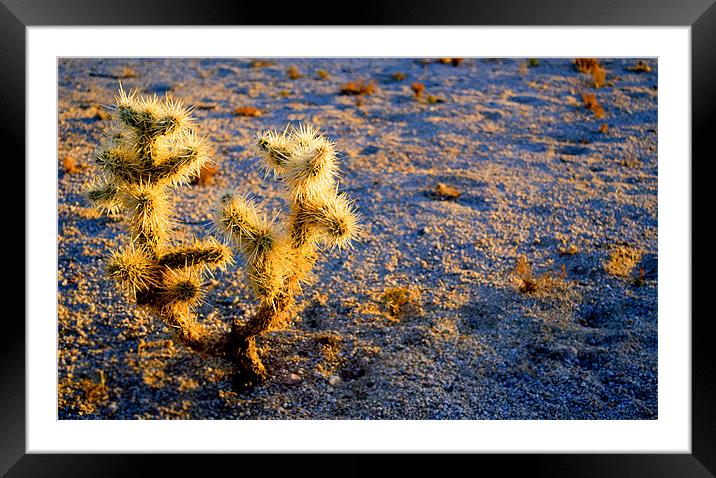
[(329, 345), (398, 76), (417, 88), (94, 391), (444, 192), (206, 175), (70, 166), (591, 66), (604, 128), (399, 302), (247, 111), (622, 261), (322, 74), (358, 87), (126, 72), (528, 283), (586, 65), (83, 396), (451, 61), (293, 72), (590, 102), (599, 77)]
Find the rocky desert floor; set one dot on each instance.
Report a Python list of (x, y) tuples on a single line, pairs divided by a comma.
[(507, 269)]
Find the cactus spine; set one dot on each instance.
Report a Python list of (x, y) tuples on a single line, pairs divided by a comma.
[(151, 148), (278, 258)]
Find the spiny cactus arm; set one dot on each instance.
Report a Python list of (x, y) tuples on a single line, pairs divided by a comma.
[(239, 220), (181, 289), (176, 299), (207, 252), (311, 171), (104, 196), (134, 269), (148, 211), (333, 217), (183, 159), (149, 116), (121, 163), (267, 273), (276, 149), (301, 229)]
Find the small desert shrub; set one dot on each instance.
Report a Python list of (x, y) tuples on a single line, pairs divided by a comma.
[(359, 87), (248, 111), (417, 88), (604, 128), (533, 62), (528, 283), (322, 74), (293, 72), (329, 347), (399, 302), (622, 261), (398, 76), (432, 99), (525, 277)]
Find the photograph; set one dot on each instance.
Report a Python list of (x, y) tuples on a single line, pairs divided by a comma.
[(357, 238)]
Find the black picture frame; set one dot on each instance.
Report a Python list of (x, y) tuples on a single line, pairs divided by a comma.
[(700, 15)]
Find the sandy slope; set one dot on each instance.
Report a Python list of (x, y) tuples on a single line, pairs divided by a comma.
[(536, 176)]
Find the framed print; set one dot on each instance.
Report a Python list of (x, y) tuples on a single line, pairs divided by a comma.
[(458, 230)]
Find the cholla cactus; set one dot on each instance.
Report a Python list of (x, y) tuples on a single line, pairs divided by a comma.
[(278, 258), (152, 148)]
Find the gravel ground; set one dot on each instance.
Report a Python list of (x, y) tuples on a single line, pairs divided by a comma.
[(427, 317)]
